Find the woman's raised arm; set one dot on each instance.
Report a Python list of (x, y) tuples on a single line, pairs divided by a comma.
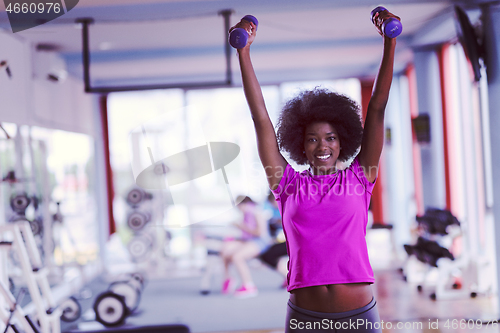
[(273, 162), (373, 134)]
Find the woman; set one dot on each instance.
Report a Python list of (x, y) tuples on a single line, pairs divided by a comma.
[(255, 240), (324, 209)]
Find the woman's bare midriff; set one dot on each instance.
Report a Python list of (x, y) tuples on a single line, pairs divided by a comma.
[(333, 297)]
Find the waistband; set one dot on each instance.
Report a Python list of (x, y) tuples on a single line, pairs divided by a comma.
[(334, 315)]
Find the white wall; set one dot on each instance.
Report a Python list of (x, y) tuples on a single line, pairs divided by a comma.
[(28, 98), (432, 154), (400, 191)]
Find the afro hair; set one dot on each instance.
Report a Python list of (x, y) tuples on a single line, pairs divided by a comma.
[(319, 105)]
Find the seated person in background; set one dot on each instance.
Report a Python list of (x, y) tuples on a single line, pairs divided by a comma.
[(273, 215), (254, 241), (276, 255)]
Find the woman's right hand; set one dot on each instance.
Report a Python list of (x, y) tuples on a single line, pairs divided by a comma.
[(380, 17), (250, 27)]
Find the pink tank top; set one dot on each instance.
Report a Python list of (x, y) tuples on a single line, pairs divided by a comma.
[(324, 220), (250, 221)]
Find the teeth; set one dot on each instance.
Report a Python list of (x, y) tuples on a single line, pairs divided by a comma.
[(323, 157)]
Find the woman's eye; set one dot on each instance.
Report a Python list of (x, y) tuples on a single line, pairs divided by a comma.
[(331, 138)]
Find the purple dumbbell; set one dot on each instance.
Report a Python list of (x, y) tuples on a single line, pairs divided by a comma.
[(238, 37), (391, 27)]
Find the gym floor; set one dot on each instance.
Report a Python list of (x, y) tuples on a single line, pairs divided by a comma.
[(178, 300)]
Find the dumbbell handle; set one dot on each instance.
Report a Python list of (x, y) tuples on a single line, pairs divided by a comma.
[(391, 27), (238, 37)]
